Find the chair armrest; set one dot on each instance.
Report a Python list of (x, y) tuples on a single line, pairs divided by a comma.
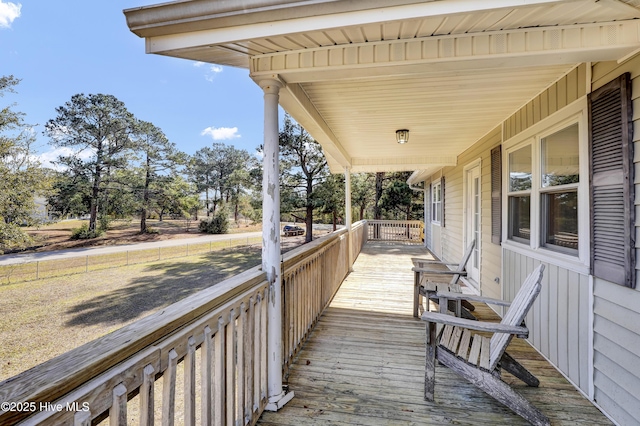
[(434, 272), (491, 327), (472, 298), (432, 262)]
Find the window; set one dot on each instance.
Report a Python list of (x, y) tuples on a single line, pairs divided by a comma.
[(544, 179), (559, 189), (436, 202), (520, 194)]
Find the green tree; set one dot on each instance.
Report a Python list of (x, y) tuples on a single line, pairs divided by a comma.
[(201, 173), (159, 155), (222, 172), (21, 177), (398, 199), (303, 166), (174, 195), (362, 191), (329, 197), (100, 126), (70, 193)]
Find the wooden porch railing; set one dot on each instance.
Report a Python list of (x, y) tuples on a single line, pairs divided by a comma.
[(202, 360), (395, 230)]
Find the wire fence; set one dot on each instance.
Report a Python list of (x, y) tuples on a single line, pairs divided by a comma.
[(35, 270)]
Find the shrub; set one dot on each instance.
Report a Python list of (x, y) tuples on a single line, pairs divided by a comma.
[(217, 224), (84, 233), (12, 237), (103, 223), (151, 230)]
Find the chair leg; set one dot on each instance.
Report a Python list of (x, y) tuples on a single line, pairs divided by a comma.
[(514, 367), (495, 387), (430, 362), (468, 305), (464, 313)]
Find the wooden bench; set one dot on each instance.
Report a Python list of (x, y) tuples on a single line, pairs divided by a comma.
[(430, 277), (480, 359)]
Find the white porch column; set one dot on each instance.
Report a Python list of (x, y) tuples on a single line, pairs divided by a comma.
[(347, 212), (271, 243)]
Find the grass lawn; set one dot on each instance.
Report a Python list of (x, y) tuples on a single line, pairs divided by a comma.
[(45, 318)]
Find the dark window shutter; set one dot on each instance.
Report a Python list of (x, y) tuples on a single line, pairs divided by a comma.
[(611, 182), (496, 195), (443, 200)]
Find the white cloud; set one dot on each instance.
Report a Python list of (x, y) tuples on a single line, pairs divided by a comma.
[(212, 72), (221, 133), (48, 158), (8, 13), (198, 64)]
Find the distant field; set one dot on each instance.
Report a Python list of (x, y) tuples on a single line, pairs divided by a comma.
[(45, 318), (57, 236)]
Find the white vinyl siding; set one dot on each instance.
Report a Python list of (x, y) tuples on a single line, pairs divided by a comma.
[(559, 319)]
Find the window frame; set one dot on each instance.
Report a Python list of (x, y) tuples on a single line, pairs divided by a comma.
[(577, 260), (436, 205)]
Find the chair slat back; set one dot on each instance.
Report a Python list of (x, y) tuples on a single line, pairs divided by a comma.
[(516, 313), (463, 263)]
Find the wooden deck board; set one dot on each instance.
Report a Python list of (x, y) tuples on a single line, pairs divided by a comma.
[(364, 362)]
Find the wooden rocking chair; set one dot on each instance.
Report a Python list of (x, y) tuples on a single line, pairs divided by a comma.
[(423, 287), (479, 359)]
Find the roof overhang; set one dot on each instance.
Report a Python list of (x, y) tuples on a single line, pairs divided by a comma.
[(354, 72)]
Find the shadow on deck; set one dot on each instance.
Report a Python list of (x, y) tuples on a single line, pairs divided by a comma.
[(364, 362)]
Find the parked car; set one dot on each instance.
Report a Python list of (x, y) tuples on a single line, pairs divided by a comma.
[(291, 230)]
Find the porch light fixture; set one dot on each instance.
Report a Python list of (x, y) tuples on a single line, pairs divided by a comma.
[(402, 136)]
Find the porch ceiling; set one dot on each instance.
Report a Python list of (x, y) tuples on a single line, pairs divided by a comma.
[(354, 72)]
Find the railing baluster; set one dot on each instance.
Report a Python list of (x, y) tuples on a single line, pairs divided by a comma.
[(248, 360), (240, 330), (219, 377), (190, 383), (230, 373), (169, 389), (82, 418), (118, 411), (263, 347), (206, 378), (146, 396), (257, 353)]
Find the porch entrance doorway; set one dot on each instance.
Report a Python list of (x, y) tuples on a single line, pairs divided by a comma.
[(472, 215)]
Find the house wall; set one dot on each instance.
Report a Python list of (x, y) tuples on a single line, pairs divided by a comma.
[(560, 94), (587, 327), (453, 232), (616, 337), (559, 321)]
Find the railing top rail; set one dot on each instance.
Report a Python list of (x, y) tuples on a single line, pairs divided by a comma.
[(403, 222), (298, 254), (56, 377)]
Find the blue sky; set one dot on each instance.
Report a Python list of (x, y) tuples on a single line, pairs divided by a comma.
[(60, 48)]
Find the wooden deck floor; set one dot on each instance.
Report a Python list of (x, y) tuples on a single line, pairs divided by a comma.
[(363, 364)]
